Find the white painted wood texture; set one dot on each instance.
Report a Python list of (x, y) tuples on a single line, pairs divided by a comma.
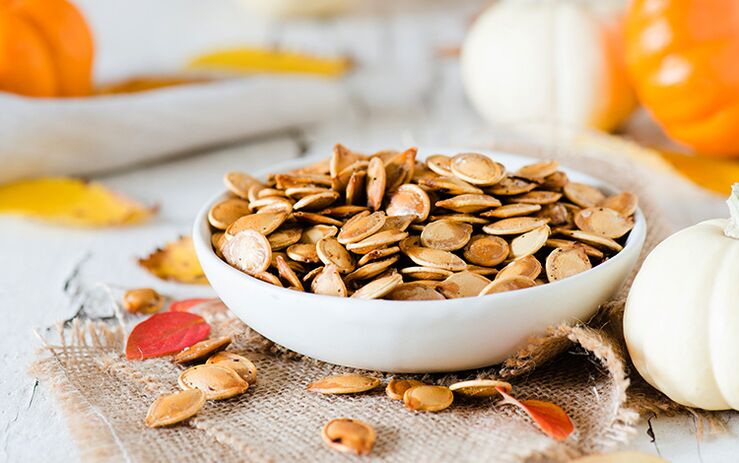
[(402, 93)]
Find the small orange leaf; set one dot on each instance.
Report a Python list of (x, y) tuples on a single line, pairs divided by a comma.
[(176, 261), (549, 417)]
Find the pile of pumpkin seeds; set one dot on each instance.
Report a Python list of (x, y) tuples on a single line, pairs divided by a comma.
[(355, 436), (389, 226), (222, 376)]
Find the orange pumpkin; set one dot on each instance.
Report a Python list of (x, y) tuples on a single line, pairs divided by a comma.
[(46, 49), (683, 58)]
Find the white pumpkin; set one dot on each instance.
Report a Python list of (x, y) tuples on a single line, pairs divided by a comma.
[(548, 61), (682, 314)]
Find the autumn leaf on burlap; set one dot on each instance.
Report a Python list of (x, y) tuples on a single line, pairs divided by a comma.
[(165, 333), (69, 201), (549, 417), (176, 261)]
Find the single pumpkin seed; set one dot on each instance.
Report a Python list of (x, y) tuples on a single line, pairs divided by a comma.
[(555, 181), (507, 284), (530, 242), (142, 300), (449, 185), (565, 262), (169, 409), (538, 170), (527, 266), (316, 202), (241, 365), (343, 212), (300, 192), (328, 282), (537, 197), (270, 193), (303, 252), (272, 205), (414, 291), (604, 222), (376, 182), (477, 169), (239, 183), (360, 227), (217, 382), (288, 274), (285, 181), (409, 199), (378, 240), (469, 203), (583, 195), (556, 213), (624, 203), (461, 218), (440, 164), (436, 258), (285, 236), (355, 187), (513, 226), (480, 387), (344, 384), (202, 349), (225, 212), (462, 284), (314, 234), (399, 168), (510, 186), (349, 435), (481, 270), (396, 387), (512, 210), (330, 251), (427, 398), (378, 288), (267, 277), (372, 269), (425, 273), (378, 254), (485, 250), (446, 235), (312, 274), (261, 223), (248, 251)]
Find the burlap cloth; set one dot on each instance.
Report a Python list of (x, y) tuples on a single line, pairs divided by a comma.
[(581, 368)]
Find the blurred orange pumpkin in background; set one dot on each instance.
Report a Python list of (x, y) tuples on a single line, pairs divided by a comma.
[(46, 49), (683, 58)]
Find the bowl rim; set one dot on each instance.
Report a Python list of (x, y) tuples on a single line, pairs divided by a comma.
[(201, 240)]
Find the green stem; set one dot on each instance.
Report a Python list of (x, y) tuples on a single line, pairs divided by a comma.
[(732, 228)]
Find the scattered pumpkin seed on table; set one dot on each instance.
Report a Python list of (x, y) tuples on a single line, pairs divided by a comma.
[(349, 435), (389, 226)]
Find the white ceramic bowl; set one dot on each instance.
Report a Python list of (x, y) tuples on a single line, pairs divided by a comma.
[(410, 336)]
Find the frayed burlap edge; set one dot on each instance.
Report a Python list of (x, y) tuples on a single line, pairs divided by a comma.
[(85, 422)]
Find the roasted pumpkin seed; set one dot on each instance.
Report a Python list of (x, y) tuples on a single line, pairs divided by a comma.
[(328, 282), (241, 365), (142, 300), (344, 384), (480, 387), (303, 252), (529, 242), (239, 183), (426, 398), (507, 284), (583, 195), (169, 409), (512, 210), (414, 291), (225, 212), (477, 169), (330, 251), (217, 382), (486, 251), (376, 182), (469, 203), (513, 226), (425, 273), (527, 266), (462, 284), (360, 227), (202, 349), (446, 235), (409, 199), (349, 435), (263, 224), (436, 258), (248, 251), (288, 274), (538, 170), (565, 262), (624, 203), (604, 222), (396, 387), (378, 288)]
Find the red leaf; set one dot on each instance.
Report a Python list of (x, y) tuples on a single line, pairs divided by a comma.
[(165, 333), (185, 305), (549, 417)]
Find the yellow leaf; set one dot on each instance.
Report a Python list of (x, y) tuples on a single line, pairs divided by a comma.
[(70, 201), (254, 60), (714, 174), (176, 261)]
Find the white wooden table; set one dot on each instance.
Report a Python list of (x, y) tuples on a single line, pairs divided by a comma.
[(402, 94)]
